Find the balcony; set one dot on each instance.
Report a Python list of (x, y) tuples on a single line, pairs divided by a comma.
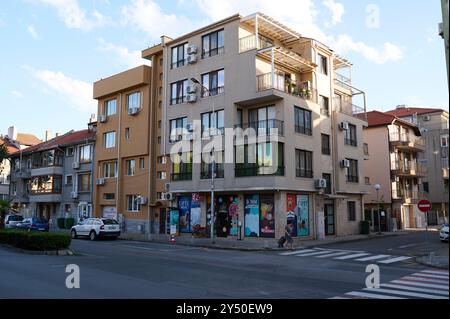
[(408, 169), (260, 128), (177, 177), (403, 142), (343, 82), (250, 42), (24, 174), (351, 109), (218, 172), (256, 170), (406, 194)]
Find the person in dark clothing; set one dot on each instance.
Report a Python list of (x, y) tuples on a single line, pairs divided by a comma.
[(288, 235)]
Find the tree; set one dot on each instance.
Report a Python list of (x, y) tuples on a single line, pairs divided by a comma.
[(5, 207)]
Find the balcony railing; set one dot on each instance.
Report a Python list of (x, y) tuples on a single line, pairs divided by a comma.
[(218, 172), (264, 82), (181, 176), (405, 193), (408, 168), (401, 139), (213, 91), (343, 81), (249, 43), (256, 170), (266, 127), (351, 109)]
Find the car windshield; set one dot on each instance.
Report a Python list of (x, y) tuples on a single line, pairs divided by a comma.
[(109, 222), (15, 218), (40, 221)]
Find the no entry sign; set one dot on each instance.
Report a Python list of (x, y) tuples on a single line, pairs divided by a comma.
[(424, 206)]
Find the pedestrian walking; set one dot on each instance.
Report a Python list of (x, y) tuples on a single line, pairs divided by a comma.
[(288, 235)]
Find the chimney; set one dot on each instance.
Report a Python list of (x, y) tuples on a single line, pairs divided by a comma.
[(402, 106), (93, 118), (48, 135), (12, 132)]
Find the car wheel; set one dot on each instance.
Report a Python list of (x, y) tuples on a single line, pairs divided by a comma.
[(73, 234), (92, 235)]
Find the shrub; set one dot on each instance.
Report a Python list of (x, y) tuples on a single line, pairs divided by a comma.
[(69, 223), (37, 241), (60, 222)]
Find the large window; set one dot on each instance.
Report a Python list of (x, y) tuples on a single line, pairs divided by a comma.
[(47, 159), (213, 43), (177, 129), (130, 167), (84, 182), (322, 64), (352, 171), (47, 184), (133, 203), (263, 121), (303, 122), (178, 92), (324, 105), (179, 55), (259, 159), (134, 100), (351, 211), (207, 165), (326, 144), (327, 177), (212, 121), (304, 163), (350, 136), (182, 167), (110, 107), (85, 153), (110, 170), (109, 139), (213, 83)]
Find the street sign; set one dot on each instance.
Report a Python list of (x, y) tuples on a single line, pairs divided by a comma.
[(424, 206)]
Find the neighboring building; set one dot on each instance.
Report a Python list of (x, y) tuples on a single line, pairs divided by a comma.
[(434, 125), (129, 171), (260, 74), (54, 178), (395, 151)]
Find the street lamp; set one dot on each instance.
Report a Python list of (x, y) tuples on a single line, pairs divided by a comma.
[(377, 188), (213, 164)]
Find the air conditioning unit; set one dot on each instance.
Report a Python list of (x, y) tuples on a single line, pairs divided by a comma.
[(191, 98), (102, 118), (191, 49), (190, 127), (74, 194), (100, 181), (142, 200), (344, 126), (427, 118), (133, 110), (167, 196), (191, 59), (321, 183), (75, 165), (345, 163), (191, 89)]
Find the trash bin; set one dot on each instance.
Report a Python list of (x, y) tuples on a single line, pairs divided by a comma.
[(365, 227)]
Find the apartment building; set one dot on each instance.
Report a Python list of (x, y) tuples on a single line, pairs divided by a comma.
[(130, 174), (395, 153), (253, 74), (434, 126), (54, 178)]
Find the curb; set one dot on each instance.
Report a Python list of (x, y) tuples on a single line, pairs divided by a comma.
[(62, 252), (419, 261)]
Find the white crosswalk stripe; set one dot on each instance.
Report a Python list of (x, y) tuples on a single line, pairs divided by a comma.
[(373, 257), (413, 286)]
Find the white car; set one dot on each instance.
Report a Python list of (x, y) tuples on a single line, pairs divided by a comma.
[(96, 228), (443, 234), (12, 220)]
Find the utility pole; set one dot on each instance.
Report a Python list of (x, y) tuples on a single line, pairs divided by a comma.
[(443, 31)]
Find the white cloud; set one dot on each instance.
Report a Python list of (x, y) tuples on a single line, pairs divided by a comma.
[(337, 11), (17, 93), (127, 57), (32, 31)]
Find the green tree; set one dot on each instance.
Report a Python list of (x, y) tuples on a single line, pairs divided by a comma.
[(5, 207)]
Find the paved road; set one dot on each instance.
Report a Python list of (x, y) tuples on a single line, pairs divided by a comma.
[(125, 269)]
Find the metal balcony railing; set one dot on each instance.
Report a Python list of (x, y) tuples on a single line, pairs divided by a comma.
[(264, 82), (249, 43), (256, 170), (405, 193), (404, 140), (350, 109), (343, 82), (408, 167)]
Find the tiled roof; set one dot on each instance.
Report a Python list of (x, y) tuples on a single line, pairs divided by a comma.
[(408, 111), (11, 148), (377, 118), (27, 139)]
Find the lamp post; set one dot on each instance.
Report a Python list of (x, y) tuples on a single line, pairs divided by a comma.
[(213, 163), (377, 188)]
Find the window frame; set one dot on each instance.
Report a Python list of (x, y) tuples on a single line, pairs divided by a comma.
[(326, 149), (105, 139), (139, 100), (106, 110), (177, 136), (81, 153), (106, 169), (354, 168), (212, 84), (351, 211), (324, 103), (80, 184), (180, 92), (179, 62), (351, 135), (308, 160), (213, 51), (300, 114), (135, 205), (130, 170)]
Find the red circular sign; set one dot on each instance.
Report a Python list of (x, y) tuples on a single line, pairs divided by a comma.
[(424, 206)]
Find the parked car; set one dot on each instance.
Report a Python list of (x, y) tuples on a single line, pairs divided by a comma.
[(12, 220), (33, 223), (96, 228), (443, 234)]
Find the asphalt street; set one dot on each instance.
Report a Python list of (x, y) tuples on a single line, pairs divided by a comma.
[(129, 269)]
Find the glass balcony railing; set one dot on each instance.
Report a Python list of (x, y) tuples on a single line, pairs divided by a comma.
[(249, 43), (266, 127), (281, 83)]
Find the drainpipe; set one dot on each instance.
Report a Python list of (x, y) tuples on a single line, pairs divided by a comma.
[(151, 145), (119, 164)]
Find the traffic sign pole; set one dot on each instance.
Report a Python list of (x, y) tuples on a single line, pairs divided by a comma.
[(425, 206)]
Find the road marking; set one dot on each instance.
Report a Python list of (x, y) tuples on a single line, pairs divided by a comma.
[(393, 260), (333, 254), (373, 257), (420, 284), (405, 293), (339, 298), (314, 253), (137, 247), (351, 256), (426, 280), (434, 291), (296, 252), (431, 276), (346, 250), (436, 272), (406, 246), (374, 296)]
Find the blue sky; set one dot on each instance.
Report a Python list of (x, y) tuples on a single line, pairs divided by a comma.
[(52, 50)]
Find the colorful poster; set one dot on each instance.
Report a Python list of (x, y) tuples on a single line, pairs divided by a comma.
[(184, 207), (195, 210), (233, 211), (267, 216), (174, 216), (251, 212), (291, 216), (302, 212)]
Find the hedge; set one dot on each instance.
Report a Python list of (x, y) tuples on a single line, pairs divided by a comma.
[(36, 241), (69, 223), (60, 222)]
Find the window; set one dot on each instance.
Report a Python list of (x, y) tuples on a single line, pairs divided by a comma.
[(259, 159), (69, 151), (426, 187), (133, 203), (134, 100), (324, 103), (444, 140), (161, 175), (159, 139), (206, 166), (303, 163), (213, 44), (352, 171), (84, 182), (110, 170), (366, 149), (179, 54), (85, 153), (213, 83), (160, 76), (303, 123), (69, 180), (161, 160), (127, 133), (159, 124), (110, 107), (327, 177), (263, 121), (350, 135), (142, 163), (160, 90), (212, 121), (46, 159), (178, 92), (161, 61), (367, 180), (130, 167), (160, 104), (109, 139), (323, 64), (109, 196), (182, 167), (326, 144), (351, 211), (177, 129), (240, 118)]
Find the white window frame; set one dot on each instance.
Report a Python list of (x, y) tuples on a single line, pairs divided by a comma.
[(136, 207), (112, 138), (65, 179)]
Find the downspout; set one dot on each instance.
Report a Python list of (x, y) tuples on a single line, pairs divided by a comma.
[(164, 102), (119, 164), (151, 145), (91, 194)]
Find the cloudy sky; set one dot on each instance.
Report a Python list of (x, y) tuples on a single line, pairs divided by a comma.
[(52, 50)]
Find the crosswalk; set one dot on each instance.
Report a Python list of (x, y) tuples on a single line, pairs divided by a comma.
[(351, 255), (426, 284)]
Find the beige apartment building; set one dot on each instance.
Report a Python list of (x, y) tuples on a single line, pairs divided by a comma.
[(129, 172), (297, 96), (395, 153)]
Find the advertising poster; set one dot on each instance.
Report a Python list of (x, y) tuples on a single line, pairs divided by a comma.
[(267, 217), (195, 210), (233, 211), (302, 211), (291, 216), (184, 207), (251, 212), (174, 222)]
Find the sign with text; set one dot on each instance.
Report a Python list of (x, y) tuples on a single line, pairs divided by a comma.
[(424, 206)]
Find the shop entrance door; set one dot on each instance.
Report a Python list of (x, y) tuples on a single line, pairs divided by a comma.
[(330, 228), (162, 221)]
